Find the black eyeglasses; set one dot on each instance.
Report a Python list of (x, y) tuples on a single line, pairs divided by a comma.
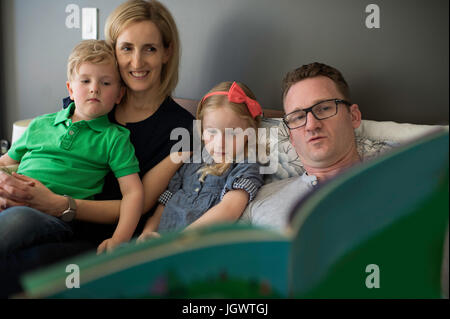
[(321, 110)]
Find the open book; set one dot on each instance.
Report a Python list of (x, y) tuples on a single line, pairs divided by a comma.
[(375, 231)]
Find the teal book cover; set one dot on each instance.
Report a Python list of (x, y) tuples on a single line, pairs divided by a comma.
[(375, 231)]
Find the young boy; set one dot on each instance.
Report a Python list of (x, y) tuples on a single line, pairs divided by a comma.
[(71, 151)]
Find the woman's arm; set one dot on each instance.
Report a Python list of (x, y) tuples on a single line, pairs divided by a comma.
[(41, 198), (6, 165), (155, 182), (229, 209), (32, 193), (157, 179), (5, 160)]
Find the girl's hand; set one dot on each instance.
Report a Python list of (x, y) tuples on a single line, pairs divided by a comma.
[(108, 245), (147, 235)]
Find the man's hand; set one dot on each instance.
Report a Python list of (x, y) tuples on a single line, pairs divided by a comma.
[(147, 235)]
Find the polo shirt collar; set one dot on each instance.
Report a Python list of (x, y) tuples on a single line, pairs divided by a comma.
[(99, 124), (64, 114)]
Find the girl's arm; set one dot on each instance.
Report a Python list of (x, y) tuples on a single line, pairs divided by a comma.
[(151, 227), (153, 222), (41, 198), (229, 209), (131, 207)]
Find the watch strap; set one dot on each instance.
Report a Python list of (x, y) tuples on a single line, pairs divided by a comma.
[(72, 203), (69, 214)]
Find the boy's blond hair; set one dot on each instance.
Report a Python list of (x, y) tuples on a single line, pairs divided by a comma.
[(92, 51)]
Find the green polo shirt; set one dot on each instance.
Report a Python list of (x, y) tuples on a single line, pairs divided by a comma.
[(73, 158)]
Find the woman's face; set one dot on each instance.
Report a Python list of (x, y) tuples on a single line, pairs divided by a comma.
[(141, 55)]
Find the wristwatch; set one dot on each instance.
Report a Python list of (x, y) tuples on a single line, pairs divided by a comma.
[(69, 214)]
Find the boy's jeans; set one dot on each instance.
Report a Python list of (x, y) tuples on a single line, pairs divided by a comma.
[(22, 227)]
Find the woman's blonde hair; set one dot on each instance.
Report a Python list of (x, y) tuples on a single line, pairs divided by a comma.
[(219, 101), (92, 51), (134, 11)]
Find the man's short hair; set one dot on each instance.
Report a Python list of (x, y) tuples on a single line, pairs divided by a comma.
[(312, 70), (92, 51)]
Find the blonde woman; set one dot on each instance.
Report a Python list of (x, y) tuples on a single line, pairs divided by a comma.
[(146, 42), (218, 189)]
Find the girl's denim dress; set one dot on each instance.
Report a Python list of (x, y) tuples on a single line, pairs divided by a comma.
[(187, 199)]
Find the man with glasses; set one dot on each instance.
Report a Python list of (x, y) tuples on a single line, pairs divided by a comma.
[(321, 121)]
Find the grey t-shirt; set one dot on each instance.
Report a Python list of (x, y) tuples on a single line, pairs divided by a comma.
[(274, 202)]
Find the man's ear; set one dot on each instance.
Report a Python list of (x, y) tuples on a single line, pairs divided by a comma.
[(69, 88), (355, 114)]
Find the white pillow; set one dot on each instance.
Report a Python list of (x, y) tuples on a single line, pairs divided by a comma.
[(393, 131), (372, 139)]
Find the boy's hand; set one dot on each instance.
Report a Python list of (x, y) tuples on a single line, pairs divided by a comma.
[(147, 235), (108, 245)]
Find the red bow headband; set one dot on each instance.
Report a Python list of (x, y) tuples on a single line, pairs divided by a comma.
[(237, 95)]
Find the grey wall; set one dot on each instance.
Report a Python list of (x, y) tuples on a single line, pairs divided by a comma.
[(398, 72), (3, 124)]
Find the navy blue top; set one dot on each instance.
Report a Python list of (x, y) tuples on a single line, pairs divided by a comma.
[(151, 140)]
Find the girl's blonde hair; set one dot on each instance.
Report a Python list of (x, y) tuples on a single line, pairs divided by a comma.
[(134, 11), (219, 101)]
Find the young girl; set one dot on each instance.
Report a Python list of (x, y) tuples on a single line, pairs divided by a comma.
[(218, 189)]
